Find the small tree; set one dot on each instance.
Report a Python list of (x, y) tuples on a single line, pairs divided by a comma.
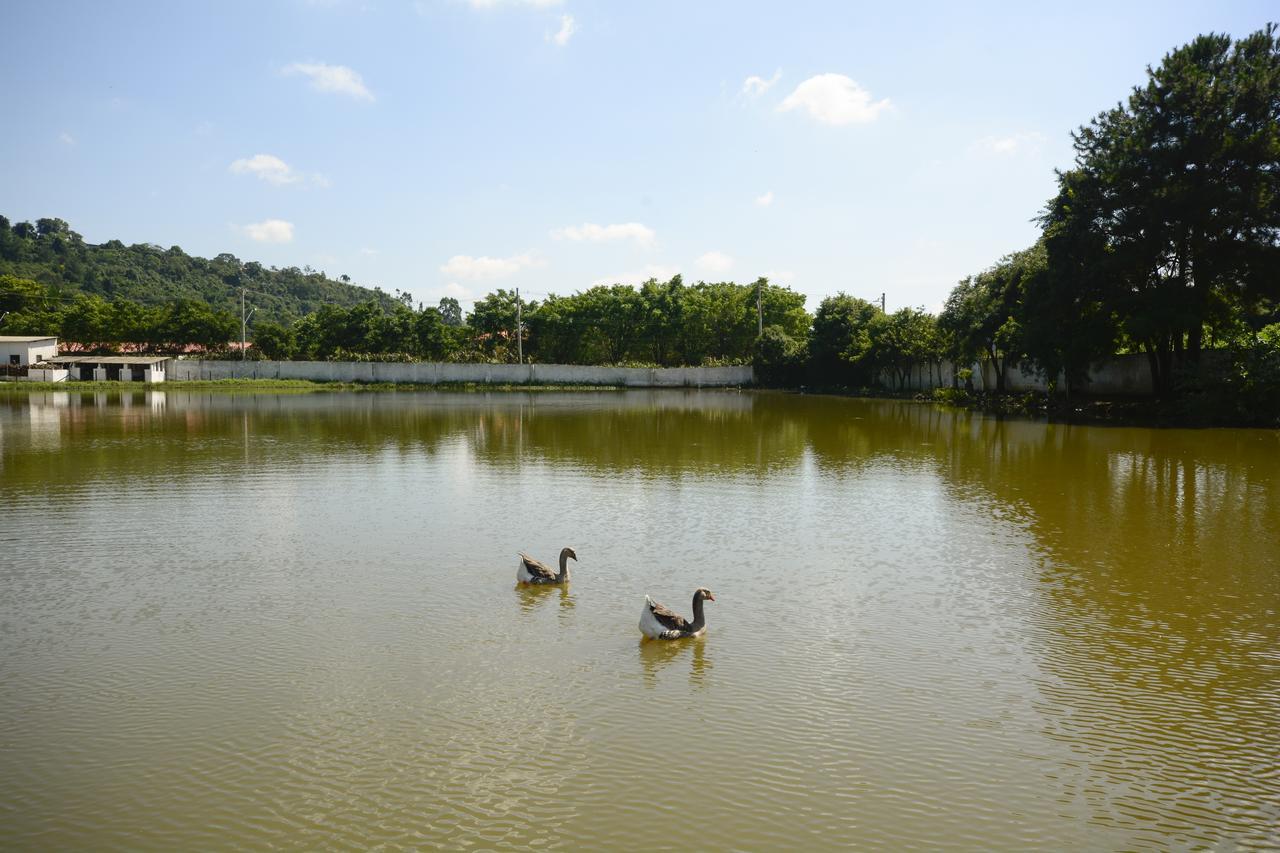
[(779, 359), (274, 341)]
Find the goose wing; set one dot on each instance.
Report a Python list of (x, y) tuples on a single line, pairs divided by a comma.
[(669, 618), (536, 568)]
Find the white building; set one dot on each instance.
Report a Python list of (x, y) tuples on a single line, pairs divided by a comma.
[(18, 350), (111, 368)]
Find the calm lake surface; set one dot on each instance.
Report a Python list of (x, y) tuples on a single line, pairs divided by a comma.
[(291, 620)]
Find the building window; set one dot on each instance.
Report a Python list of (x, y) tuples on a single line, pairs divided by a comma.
[(15, 359)]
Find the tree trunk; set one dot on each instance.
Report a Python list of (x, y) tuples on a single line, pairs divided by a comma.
[(1160, 359), (999, 370), (1153, 365)]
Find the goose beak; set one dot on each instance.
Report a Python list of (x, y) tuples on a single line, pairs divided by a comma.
[(710, 597)]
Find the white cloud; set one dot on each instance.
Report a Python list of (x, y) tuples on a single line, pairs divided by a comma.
[(754, 87), (273, 170), (459, 292), (765, 200), (567, 29), (834, 99), (369, 252), (1008, 145), (66, 138), (715, 262), (782, 278), (269, 231), (661, 272), (336, 79), (642, 234), (465, 266)]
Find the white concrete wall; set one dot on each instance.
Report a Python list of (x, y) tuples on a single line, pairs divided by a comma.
[(1121, 375), (99, 374), (433, 373), (154, 375), (47, 374)]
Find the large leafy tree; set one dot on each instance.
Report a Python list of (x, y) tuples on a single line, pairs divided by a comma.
[(429, 335), (662, 318), (718, 320), (494, 321), (984, 314), (614, 318), (900, 341), (839, 339), (1068, 316), (555, 331), (1175, 199)]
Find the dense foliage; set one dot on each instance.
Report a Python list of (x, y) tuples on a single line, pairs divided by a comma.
[(662, 323), (51, 254), (1163, 239), (30, 308)]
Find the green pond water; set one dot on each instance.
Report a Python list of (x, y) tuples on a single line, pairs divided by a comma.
[(291, 621)]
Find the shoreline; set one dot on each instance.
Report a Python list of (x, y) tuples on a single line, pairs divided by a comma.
[(301, 386), (1081, 410), (1033, 406)]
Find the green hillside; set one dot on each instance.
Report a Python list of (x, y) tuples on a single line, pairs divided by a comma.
[(50, 253)]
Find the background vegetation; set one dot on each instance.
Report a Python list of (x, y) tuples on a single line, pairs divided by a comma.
[(50, 254), (1163, 239)]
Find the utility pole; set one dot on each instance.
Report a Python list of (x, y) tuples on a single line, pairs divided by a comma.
[(759, 310), (244, 321), (519, 328), (883, 310)]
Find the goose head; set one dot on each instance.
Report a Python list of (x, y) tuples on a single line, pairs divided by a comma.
[(704, 594), (570, 553)]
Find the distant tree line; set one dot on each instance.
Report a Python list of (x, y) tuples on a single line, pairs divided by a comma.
[(31, 308), (1163, 240), (49, 253), (659, 323)]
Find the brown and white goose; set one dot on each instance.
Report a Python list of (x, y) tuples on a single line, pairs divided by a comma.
[(659, 623), (530, 570)]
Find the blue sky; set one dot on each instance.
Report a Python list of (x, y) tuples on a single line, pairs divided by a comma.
[(449, 147)]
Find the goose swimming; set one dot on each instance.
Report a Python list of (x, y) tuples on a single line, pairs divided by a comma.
[(659, 623), (530, 570)]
